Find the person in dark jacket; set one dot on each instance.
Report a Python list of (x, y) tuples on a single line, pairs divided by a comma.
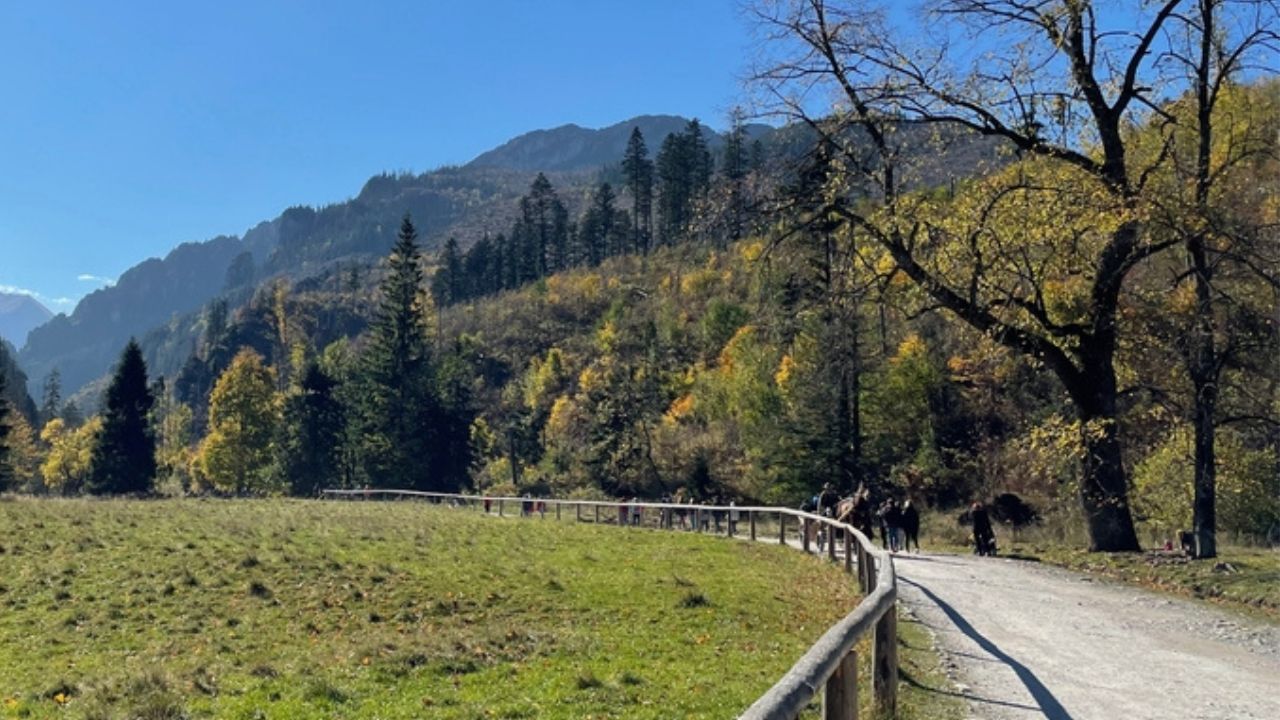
[(910, 525), (984, 537)]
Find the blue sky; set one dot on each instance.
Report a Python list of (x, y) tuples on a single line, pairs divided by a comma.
[(129, 127)]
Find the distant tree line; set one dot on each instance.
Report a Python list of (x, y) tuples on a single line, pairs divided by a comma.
[(676, 187)]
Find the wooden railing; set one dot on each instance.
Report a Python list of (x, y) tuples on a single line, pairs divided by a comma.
[(829, 667)]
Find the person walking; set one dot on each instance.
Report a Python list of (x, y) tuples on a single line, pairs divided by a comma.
[(910, 525), (892, 518)]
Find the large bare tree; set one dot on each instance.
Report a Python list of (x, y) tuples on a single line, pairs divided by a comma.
[(1064, 83)]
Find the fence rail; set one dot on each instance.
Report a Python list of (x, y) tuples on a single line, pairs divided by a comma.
[(829, 667)]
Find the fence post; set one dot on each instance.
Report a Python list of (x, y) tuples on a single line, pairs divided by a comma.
[(782, 529), (751, 520), (831, 541), (804, 534), (557, 511), (848, 551), (885, 669), (597, 508), (840, 694), (500, 504)]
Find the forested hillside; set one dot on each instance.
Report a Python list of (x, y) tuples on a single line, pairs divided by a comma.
[(155, 299)]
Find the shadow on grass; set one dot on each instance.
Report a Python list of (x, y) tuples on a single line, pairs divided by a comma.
[(1049, 706)]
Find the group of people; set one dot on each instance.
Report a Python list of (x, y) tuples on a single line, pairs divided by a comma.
[(899, 522)]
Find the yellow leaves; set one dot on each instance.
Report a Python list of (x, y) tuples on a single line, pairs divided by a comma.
[(60, 698), (744, 335), (607, 337), (590, 379), (786, 368), (575, 288), (700, 282), (1067, 299), (911, 348), (562, 411), (752, 251), (681, 408), (1183, 299)]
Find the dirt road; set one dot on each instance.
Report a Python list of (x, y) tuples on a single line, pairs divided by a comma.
[(1026, 641)]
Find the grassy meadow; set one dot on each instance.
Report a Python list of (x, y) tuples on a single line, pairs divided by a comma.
[(306, 609)]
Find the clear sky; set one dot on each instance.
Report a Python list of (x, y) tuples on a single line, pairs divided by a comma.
[(129, 127)]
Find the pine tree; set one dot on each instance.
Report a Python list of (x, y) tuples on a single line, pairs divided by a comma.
[(447, 283), (479, 269), (312, 432), (638, 170), (734, 169), (401, 411), (701, 165), (597, 229), (52, 400), (674, 189), (124, 455), (6, 470)]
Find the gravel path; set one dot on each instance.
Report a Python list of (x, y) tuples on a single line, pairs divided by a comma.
[(1022, 640)]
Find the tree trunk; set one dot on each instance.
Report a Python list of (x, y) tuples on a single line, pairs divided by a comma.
[(1205, 515), (1103, 485)]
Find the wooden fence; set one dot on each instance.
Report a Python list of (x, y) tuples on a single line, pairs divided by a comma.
[(829, 667)]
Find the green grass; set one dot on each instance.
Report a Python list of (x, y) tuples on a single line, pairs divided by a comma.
[(293, 609)]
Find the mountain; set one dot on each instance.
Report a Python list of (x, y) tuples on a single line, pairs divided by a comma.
[(570, 147), (84, 345), (18, 315), (159, 300)]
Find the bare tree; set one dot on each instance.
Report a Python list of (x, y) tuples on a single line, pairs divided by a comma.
[(1062, 82), (1212, 45)]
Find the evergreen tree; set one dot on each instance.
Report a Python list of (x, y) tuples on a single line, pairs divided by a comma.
[(312, 434), (480, 268), (52, 400), (447, 283), (71, 414), (598, 227), (401, 411), (684, 168), (701, 165), (673, 187), (638, 171), (124, 455), (734, 169), (6, 470)]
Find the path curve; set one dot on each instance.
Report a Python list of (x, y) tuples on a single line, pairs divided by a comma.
[(1022, 640)]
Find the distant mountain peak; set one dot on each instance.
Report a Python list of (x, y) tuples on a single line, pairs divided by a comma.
[(572, 147), (19, 314)]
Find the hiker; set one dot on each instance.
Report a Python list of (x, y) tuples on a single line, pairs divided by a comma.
[(636, 511), (487, 504), (891, 525), (827, 500), (984, 538), (733, 517), (910, 525)]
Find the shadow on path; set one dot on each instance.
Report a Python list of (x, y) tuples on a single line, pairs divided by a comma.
[(908, 679), (1049, 705)]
